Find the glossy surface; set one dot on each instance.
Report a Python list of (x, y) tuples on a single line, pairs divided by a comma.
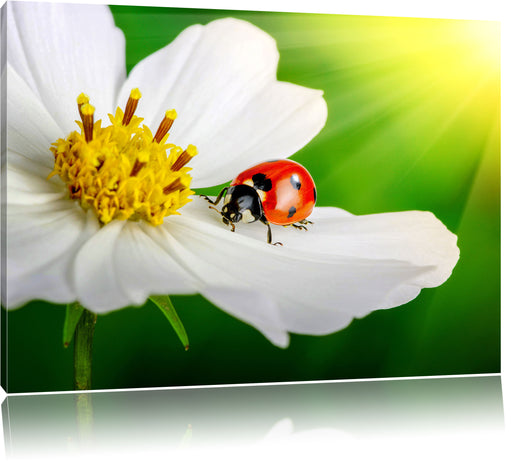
[(292, 194)]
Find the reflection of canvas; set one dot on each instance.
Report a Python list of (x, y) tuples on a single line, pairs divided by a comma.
[(209, 418), (389, 116)]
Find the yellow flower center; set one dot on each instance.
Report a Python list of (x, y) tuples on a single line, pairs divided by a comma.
[(122, 171)]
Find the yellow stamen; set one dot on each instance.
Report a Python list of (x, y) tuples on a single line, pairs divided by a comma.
[(87, 114), (118, 171), (184, 158), (131, 105), (165, 125), (137, 166), (174, 186), (82, 99)]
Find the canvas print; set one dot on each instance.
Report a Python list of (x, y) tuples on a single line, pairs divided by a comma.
[(201, 197)]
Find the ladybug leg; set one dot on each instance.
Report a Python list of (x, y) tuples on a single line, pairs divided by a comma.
[(269, 233), (219, 197), (224, 219), (302, 224), (227, 222), (298, 226)]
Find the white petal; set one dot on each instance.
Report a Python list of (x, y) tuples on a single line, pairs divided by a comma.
[(30, 189), (61, 50), (241, 303), (123, 264), (42, 241), (320, 286), (413, 236), (219, 286), (281, 119), (30, 128), (221, 79)]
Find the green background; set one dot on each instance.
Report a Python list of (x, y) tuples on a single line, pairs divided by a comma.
[(414, 124)]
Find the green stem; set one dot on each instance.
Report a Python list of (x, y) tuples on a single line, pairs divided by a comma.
[(83, 350)]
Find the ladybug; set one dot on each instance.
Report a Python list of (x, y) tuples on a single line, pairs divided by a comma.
[(281, 192)]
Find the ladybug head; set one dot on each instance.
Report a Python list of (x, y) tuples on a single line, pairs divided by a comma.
[(242, 203), (231, 212)]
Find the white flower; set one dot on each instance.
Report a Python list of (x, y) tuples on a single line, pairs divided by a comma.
[(221, 78)]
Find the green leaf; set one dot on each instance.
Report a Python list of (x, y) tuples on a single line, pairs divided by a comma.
[(73, 313), (164, 303)]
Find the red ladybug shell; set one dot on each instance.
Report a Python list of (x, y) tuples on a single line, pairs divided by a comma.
[(286, 190)]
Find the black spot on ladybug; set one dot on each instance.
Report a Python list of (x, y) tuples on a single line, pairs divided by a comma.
[(262, 182), (291, 212), (295, 181), (314, 193)]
